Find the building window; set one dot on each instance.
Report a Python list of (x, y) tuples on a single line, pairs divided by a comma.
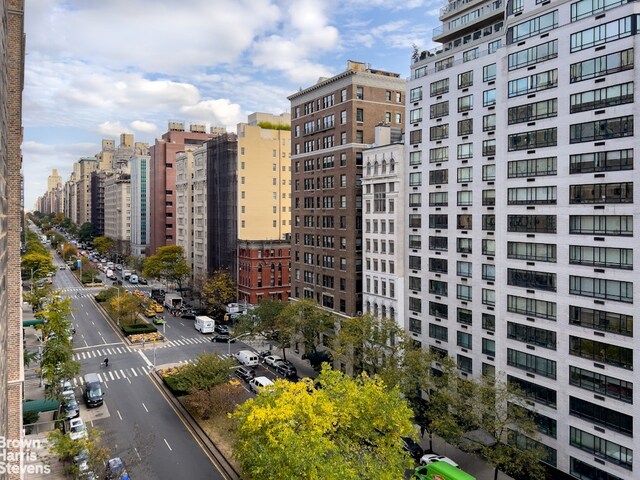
[(602, 448), (489, 122), (465, 127), (608, 257), (547, 137), (464, 293), (531, 335), (438, 332), (465, 103), (415, 158), (533, 55), (465, 80), (436, 110), (584, 471), (464, 340), (533, 83), (415, 137), (470, 54), (465, 364), (532, 363), (535, 392), (601, 320), (614, 290), (531, 307), (533, 111), (606, 417), (415, 115), (464, 269), (437, 132), (602, 97), (437, 155), (533, 252), (601, 193), (359, 93), (489, 73), (488, 173), (602, 66), (532, 196), (601, 384), (464, 198), (439, 88), (415, 94), (604, 33), (531, 279), (465, 174), (532, 27)]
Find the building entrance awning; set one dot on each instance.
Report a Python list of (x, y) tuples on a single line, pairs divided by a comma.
[(32, 323), (39, 406)]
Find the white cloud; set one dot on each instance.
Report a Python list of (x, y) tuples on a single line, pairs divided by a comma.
[(112, 129), (219, 112), (145, 127)]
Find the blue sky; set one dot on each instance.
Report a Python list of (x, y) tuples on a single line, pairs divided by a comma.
[(98, 68)]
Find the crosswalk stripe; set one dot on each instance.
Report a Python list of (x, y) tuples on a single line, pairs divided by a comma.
[(109, 351), (134, 372), (100, 377), (122, 373), (111, 375), (115, 372)]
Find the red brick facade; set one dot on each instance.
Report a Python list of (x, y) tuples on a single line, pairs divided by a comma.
[(263, 270)]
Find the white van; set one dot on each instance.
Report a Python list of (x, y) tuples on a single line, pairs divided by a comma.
[(247, 358), (205, 324), (259, 382)]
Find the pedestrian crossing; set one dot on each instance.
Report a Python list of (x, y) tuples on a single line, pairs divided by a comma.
[(113, 374), (183, 342), (101, 352)]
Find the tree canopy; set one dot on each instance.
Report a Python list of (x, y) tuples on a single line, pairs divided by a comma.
[(85, 232), (218, 290), (168, 264), (37, 264), (104, 245), (334, 428)]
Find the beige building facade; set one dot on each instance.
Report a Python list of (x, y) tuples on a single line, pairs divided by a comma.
[(264, 177)]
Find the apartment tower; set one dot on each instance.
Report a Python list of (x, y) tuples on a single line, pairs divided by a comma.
[(332, 122), (162, 180), (521, 178)]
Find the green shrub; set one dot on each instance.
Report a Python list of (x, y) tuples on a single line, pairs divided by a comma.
[(173, 383), (138, 328), (30, 417)]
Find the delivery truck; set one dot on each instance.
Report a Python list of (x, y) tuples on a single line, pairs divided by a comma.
[(173, 301), (441, 471), (205, 324)]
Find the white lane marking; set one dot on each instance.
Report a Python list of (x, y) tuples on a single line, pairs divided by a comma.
[(134, 372), (144, 357), (99, 345), (145, 407), (118, 412), (168, 446)]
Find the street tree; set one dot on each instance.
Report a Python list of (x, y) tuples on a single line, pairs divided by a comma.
[(336, 428), (69, 251), (37, 265), (125, 306), (307, 321), (37, 295), (168, 265), (218, 290), (58, 219), (57, 356), (85, 232), (88, 448), (512, 448), (369, 343), (88, 272), (56, 238), (136, 262), (263, 320), (104, 245)]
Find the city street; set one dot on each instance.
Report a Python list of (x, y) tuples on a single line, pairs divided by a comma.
[(138, 424)]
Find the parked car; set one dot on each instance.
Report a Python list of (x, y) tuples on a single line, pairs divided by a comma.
[(286, 370), (245, 373), (69, 405), (142, 281), (117, 282), (434, 457), (272, 360), (412, 448), (63, 267), (189, 316), (116, 469), (76, 429), (257, 383), (222, 329)]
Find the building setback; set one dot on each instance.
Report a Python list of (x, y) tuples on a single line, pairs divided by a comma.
[(332, 122), (522, 126)]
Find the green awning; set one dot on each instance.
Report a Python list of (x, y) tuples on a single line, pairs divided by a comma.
[(32, 323), (40, 405)]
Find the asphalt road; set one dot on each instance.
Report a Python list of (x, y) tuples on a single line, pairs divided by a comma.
[(138, 424)]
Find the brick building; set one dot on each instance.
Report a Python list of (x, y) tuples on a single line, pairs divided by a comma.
[(332, 122), (263, 270)]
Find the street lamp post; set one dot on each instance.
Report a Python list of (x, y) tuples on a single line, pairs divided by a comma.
[(234, 338), (33, 272)]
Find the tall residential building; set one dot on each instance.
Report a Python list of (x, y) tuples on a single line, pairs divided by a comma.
[(139, 168), (97, 201), (384, 225), (12, 43), (222, 203), (185, 210), (54, 180), (527, 223), (264, 175), (83, 189), (162, 179), (333, 121), (117, 211)]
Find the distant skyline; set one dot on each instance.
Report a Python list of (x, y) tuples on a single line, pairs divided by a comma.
[(96, 69)]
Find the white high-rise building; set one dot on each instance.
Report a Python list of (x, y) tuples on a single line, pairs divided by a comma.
[(520, 141)]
